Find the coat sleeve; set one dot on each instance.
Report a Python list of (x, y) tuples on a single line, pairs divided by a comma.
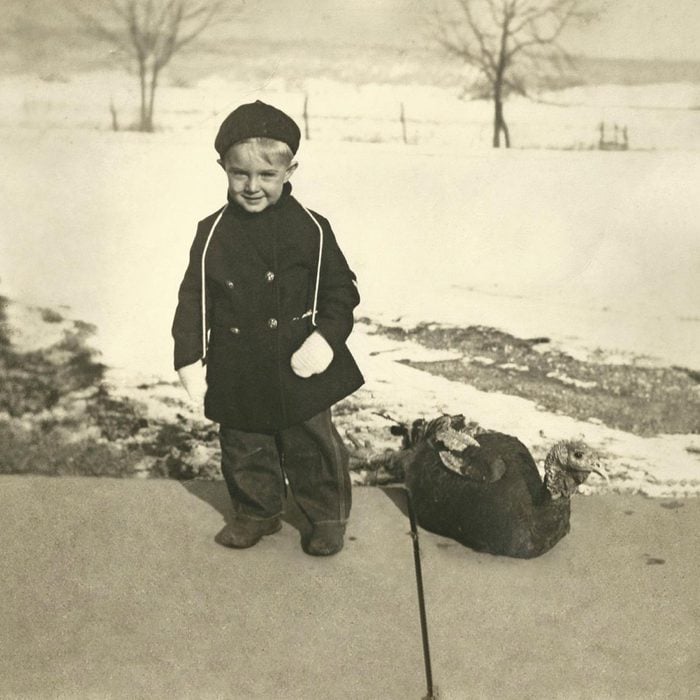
[(187, 324), (337, 292)]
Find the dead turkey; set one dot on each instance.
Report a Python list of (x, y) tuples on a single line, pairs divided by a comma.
[(485, 491)]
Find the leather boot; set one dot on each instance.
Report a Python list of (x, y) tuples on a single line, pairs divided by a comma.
[(242, 533), (325, 539)]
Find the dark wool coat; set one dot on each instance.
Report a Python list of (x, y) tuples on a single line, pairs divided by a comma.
[(260, 280)]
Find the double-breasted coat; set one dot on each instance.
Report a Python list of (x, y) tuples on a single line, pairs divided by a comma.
[(261, 272)]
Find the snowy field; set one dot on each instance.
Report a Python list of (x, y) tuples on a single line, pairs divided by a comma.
[(658, 117), (596, 250), (593, 249)]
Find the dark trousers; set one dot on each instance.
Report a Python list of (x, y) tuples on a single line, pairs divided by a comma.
[(311, 454)]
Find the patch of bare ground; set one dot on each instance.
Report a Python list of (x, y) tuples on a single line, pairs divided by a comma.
[(59, 416), (639, 399)]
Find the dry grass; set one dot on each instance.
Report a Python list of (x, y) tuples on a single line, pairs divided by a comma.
[(639, 399), (58, 417)]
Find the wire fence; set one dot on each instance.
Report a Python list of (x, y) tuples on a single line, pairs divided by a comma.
[(422, 116)]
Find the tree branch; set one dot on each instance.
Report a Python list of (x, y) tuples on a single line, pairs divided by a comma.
[(500, 37), (205, 22), (150, 32)]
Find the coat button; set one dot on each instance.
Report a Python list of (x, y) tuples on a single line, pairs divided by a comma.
[(230, 284), (270, 276), (272, 323), (234, 331)]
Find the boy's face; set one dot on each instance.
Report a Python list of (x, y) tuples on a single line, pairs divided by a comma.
[(255, 177)]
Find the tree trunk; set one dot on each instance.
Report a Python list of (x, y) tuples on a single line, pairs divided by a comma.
[(152, 97), (497, 121), (504, 129), (499, 125), (143, 121)]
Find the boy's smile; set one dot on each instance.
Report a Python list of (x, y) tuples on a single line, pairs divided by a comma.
[(255, 175)]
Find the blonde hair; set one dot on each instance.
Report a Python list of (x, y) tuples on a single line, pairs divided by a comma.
[(269, 149)]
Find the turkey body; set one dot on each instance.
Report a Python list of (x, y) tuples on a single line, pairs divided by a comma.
[(502, 510)]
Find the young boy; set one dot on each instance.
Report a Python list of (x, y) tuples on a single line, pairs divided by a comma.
[(265, 308)]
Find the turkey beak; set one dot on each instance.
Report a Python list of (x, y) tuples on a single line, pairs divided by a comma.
[(601, 474)]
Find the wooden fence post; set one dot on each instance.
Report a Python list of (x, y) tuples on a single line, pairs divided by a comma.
[(113, 112), (403, 123), (617, 141), (306, 117)]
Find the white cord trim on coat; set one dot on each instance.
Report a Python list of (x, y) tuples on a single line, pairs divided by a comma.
[(318, 267), (204, 288), (204, 253)]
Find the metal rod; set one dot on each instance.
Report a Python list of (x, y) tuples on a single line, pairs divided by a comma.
[(421, 597)]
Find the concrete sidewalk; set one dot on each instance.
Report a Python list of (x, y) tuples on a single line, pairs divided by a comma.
[(117, 589)]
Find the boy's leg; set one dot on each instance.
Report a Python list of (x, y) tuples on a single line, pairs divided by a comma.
[(316, 462), (251, 468)]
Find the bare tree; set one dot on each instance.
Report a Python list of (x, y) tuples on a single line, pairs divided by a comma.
[(508, 42), (149, 33)]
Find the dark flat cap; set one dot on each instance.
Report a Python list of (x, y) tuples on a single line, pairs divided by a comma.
[(256, 119)]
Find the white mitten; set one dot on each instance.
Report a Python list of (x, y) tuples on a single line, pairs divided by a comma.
[(313, 357), (193, 378)]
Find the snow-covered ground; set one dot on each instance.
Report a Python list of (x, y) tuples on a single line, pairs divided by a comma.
[(660, 466), (593, 249), (664, 116)]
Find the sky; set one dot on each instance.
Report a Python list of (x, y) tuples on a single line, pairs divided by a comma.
[(651, 29), (654, 29)]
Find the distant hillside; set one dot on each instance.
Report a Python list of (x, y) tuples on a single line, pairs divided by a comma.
[(294, 62), (597, 71)]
